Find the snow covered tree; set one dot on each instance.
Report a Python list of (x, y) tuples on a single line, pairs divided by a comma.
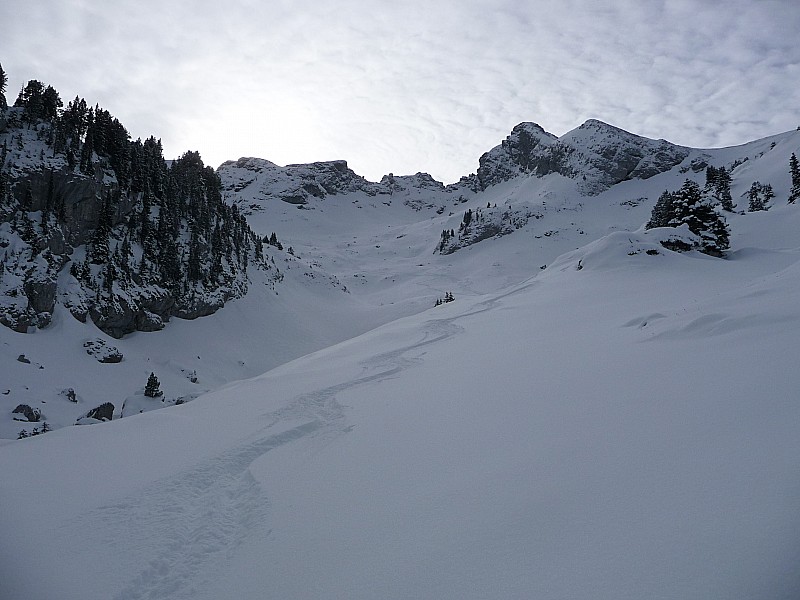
[(699, 213), (152, 389), (662, 212), (3, 84), (718, 185), (794, 169), (38, 102), (759, 196)]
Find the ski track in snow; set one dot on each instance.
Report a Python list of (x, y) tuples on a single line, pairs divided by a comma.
[(183, 525)]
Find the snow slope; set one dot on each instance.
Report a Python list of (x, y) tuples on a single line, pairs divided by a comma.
[(621, 425)]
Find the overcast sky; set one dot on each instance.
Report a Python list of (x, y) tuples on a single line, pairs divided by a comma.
[(406, 86)]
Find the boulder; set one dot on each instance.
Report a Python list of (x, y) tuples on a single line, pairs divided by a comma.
[(102, 351), (104, 412), (23, 412)]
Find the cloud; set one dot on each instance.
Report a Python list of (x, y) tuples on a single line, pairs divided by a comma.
[(415, 85)]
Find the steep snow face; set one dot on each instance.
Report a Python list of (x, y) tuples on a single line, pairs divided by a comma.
[(596, 154)]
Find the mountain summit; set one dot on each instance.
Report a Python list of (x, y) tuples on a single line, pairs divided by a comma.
[(597, 154)]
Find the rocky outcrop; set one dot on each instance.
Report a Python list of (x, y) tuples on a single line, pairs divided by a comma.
[(481, 225), (296, 183), (419, 181), (23, 412), (104, 412), (528, 149), (596, 155), (81, 196), (102, 351), (607, 155), (41, 294)]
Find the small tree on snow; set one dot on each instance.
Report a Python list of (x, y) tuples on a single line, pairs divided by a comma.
[(759, 196), (794, 169), (151, 390)]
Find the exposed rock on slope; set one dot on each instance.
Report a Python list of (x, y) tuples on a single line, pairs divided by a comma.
[(295, 184), (145, 240), (596, 154)]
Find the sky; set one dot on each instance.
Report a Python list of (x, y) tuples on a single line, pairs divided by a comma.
[(406, 86)]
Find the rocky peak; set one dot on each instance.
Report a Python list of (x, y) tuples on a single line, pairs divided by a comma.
[(396, 183), (596, 154), (295, 183), (524, 151), (607, 155)]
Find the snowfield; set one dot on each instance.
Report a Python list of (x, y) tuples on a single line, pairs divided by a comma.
[(623, 430), (622, 424)]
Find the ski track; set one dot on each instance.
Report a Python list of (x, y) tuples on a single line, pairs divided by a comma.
[(181, 525)]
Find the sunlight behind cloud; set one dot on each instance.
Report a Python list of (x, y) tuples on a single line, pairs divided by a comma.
[(414, 87)]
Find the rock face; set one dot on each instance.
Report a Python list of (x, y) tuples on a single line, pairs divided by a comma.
[(104, 412), (144, 240), (420, 181), (483, 224), (23, 412), (596, 154), (528, 150), (297, 183)]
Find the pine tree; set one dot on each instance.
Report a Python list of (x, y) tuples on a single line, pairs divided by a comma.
[(100, 250), (769, 194), (758, 196), (794, 169), (698, 212), (718, 185), (152, 389), (3, 84), (662, 212)]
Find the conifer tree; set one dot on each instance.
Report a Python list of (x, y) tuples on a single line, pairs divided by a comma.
[(759, 196), (3, 84), (152, 389), (718, 185), (100, 249), (794, 169), (698, 212), (662, 212)]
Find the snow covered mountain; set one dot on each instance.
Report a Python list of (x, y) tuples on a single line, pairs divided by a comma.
[(592, 415)]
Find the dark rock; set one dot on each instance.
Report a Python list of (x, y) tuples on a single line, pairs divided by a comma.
[(148, 321), (114, 318), (102, 351), (23, 359), (193, 308), (41, 294), (104, 412), (26, 413)]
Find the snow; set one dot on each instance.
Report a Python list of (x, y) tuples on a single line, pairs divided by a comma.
[(621, 424)]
